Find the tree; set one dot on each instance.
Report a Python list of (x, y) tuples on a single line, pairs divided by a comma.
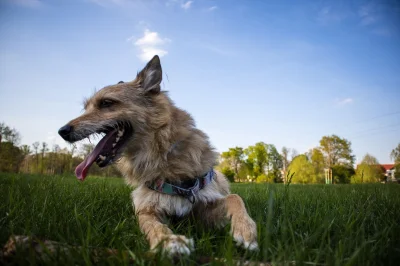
[(43, 150), (86, 149), (318, 162), (342, 174), (336, 150), (275, 164), (9, 135), (285, 161), (11, 155), (369, 171), (2, 126), (395, 154), (285, 157), (35, 146), (302, 169), (294, 154), (26, 150), (256, 159), (229, 174), (234, 157), (263, 159)]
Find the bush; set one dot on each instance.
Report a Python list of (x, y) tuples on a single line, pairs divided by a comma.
[(230, 174), (342, 174)]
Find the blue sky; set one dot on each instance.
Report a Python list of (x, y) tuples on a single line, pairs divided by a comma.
[(281, 72)]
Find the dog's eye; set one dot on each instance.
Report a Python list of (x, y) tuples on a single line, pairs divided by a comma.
[(106, 103)]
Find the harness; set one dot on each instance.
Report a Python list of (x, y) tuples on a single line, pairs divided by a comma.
[(188, 190)]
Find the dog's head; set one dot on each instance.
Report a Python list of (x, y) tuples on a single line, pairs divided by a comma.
[(118, 111)]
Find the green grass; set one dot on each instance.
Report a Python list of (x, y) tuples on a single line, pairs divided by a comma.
[(308, 224)]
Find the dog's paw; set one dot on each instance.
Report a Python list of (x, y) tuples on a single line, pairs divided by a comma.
[(244, 232), (178, 245)]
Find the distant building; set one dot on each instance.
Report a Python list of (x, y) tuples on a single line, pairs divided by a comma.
[(389, 171)]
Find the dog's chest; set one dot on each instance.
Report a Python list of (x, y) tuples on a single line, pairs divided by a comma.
[(144, 198)]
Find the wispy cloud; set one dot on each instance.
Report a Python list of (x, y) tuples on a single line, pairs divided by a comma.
[(327, 15), (368, 14), (182, 3), (212, 8), (187, 5), (376, 16), (345, 101), (150, 44)]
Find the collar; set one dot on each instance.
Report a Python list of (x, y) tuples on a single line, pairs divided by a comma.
[(161, 186)]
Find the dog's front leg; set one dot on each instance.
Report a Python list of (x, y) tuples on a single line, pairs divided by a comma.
[(231, 208), (160, 236), (243, 228)]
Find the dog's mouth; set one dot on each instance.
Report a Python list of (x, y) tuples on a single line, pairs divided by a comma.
[(108, 150)]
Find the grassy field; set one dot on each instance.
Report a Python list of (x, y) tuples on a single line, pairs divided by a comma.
[(308, 224)]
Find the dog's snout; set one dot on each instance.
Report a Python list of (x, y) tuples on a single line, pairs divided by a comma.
[(65, 132)]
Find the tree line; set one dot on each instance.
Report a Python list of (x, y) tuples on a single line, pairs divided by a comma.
[(40, 158), (258, 163), (263, 163)]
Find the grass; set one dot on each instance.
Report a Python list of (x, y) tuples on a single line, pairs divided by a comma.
[(308, 224)]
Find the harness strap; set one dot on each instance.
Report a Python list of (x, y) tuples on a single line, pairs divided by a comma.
[(161, 186)]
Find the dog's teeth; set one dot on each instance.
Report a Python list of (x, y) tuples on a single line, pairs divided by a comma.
[(117, 139), (114, 144), (120, 133), (102, 157)]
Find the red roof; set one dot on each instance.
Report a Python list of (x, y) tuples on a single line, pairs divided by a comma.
[(388, 166)]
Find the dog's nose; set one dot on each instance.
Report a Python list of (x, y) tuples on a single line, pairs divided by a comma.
[(65, 132)]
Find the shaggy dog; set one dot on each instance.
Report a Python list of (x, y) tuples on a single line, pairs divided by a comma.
[(158, 149)]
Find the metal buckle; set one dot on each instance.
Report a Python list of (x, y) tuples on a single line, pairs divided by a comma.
[(189, 193)]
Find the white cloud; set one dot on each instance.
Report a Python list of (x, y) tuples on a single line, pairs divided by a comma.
[(344, 101), (328, 15), (187, 5), (212, 8), (368, 14), (373, 15), (150, 44)]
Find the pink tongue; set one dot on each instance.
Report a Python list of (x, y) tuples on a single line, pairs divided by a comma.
[(83, 167)]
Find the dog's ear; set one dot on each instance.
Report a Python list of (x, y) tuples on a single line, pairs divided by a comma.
[(151, 75)]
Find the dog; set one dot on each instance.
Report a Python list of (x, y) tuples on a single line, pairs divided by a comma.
[(160, 152)]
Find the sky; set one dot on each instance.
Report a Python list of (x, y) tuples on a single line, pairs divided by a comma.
[(282, 72)]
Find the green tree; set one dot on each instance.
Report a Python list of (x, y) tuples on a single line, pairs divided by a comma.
[(86, 149), (342, 174), (234, 157), (395, 156), (43, 150), (336, 150), (11, 155), (228, 173), (369, 171), (35, 146), (9, 135), (285, 162), (318, 163), (275, 164), (302, 169), (263, 159), (256, 159)]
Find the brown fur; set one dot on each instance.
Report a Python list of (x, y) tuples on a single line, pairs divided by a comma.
[(165, 144)]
